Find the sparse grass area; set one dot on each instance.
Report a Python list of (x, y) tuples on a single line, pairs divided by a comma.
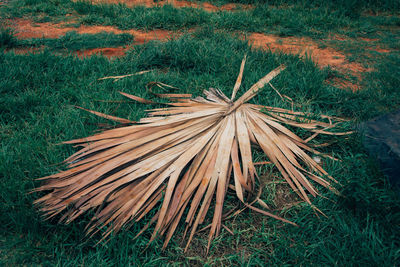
[(38, 91)]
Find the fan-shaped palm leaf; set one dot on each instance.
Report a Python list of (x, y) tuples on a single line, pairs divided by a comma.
[(179, 158)]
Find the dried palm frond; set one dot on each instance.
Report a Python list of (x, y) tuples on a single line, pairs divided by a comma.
[(182, 156)]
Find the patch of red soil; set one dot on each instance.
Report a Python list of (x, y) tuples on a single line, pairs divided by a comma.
[(369, 39), (306, 47), (25, 29), (338, 37), (176, 3), (379, 50), (376, 48), (129, 3), (344, 84), (108, 52)]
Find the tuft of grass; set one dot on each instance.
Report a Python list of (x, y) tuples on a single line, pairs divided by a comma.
[(7, 38)]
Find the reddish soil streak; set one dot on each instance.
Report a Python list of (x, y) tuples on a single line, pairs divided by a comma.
[(302, 46), (25, 29), (369, 39), (306, 47), (108, 52), (379, 50), (176, 3), (341, 83)]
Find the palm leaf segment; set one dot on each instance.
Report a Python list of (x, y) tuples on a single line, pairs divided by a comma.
[(180, 158)]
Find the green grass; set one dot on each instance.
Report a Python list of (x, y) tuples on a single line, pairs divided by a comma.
[(350, 6), (74, 41), (38, 91), (7, 38), (71, 41), (37, 94)]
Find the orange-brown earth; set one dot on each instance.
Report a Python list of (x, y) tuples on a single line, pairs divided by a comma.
[(293, 45), (304, 46), (27, 29), (176, 3), (379, 49), (108, 52)]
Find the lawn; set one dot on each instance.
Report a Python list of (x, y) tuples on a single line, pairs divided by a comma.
[(43, 78)]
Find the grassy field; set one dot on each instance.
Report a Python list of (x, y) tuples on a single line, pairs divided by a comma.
[(39, 91), (302, 18)]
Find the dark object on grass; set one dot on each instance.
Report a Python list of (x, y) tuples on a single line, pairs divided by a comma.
[(382, 140)]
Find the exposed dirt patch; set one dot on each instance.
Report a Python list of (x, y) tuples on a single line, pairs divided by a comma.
[(379, 49), (303, 46), (26, 29), (176, 3), (338, 37), (306, 47), (108, 52), (284, 197), (369, 39), (345, 84)]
